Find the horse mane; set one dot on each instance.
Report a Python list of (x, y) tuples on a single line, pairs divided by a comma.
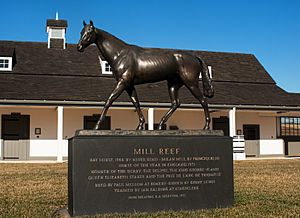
[(110, 37)]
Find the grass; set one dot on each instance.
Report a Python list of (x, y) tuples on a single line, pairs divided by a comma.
[(263, 188)]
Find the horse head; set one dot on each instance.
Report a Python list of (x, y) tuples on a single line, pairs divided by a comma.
[(88, 36)]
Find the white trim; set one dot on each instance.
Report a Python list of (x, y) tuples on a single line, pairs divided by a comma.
[(103, 67), (46, 148), (1, 140), (9, 63), (60, 118), (49, 31), (151, 119), (1, 149), (232, 123), (271, 147), (209, 71), (64, 35), (15, 102)]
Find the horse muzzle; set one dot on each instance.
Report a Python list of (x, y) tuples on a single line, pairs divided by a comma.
[(80, 48)]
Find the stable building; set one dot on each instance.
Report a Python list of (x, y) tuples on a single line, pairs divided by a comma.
[(49, 90)]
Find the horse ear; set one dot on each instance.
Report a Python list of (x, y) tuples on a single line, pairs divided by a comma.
[(84, 23), (91, 23)]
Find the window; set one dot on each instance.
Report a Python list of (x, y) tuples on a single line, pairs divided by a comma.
[(15, 127), (290, 126), (105, 67), (5, 64), (89, 122), (209, 71), (251, 132), (221, 123)]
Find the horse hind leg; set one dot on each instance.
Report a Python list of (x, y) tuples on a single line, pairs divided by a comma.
[(189, 75), (194, 89), (173, 88)]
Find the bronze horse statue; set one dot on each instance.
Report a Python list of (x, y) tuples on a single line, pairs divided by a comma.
[(133, 65)]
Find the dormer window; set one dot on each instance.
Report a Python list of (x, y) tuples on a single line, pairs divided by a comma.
[(5, 63), (105, 67), (108, 68), (209, 71)]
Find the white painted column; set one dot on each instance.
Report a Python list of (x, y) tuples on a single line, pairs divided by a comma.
[(1, 142), (60, 118), (151, 119), (1, 149), (232, 124)]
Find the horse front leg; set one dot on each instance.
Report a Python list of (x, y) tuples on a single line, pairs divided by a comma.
[(120, 87), (135, 101), (173, 87)]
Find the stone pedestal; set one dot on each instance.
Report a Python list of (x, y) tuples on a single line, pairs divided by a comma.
[(129, 171)]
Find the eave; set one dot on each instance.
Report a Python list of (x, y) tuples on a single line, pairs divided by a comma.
[(6, 102)]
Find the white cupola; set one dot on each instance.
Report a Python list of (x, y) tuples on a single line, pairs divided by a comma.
[(56, 30)]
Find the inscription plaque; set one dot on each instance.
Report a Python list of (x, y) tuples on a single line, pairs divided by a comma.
[(148, 172)]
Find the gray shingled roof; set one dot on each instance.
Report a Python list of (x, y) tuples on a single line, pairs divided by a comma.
[(6, 51), (68, 75), (57, 23)]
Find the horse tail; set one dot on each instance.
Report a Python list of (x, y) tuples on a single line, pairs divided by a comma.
[(208, 89)]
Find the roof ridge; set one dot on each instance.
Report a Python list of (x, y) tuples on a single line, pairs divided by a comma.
[(190, 50), (57, 75), (21, 42), (177, 49)]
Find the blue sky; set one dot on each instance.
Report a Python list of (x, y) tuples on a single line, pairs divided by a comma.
[(269, 29)]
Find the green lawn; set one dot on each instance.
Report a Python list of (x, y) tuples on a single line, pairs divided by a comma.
[(263, 188)]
